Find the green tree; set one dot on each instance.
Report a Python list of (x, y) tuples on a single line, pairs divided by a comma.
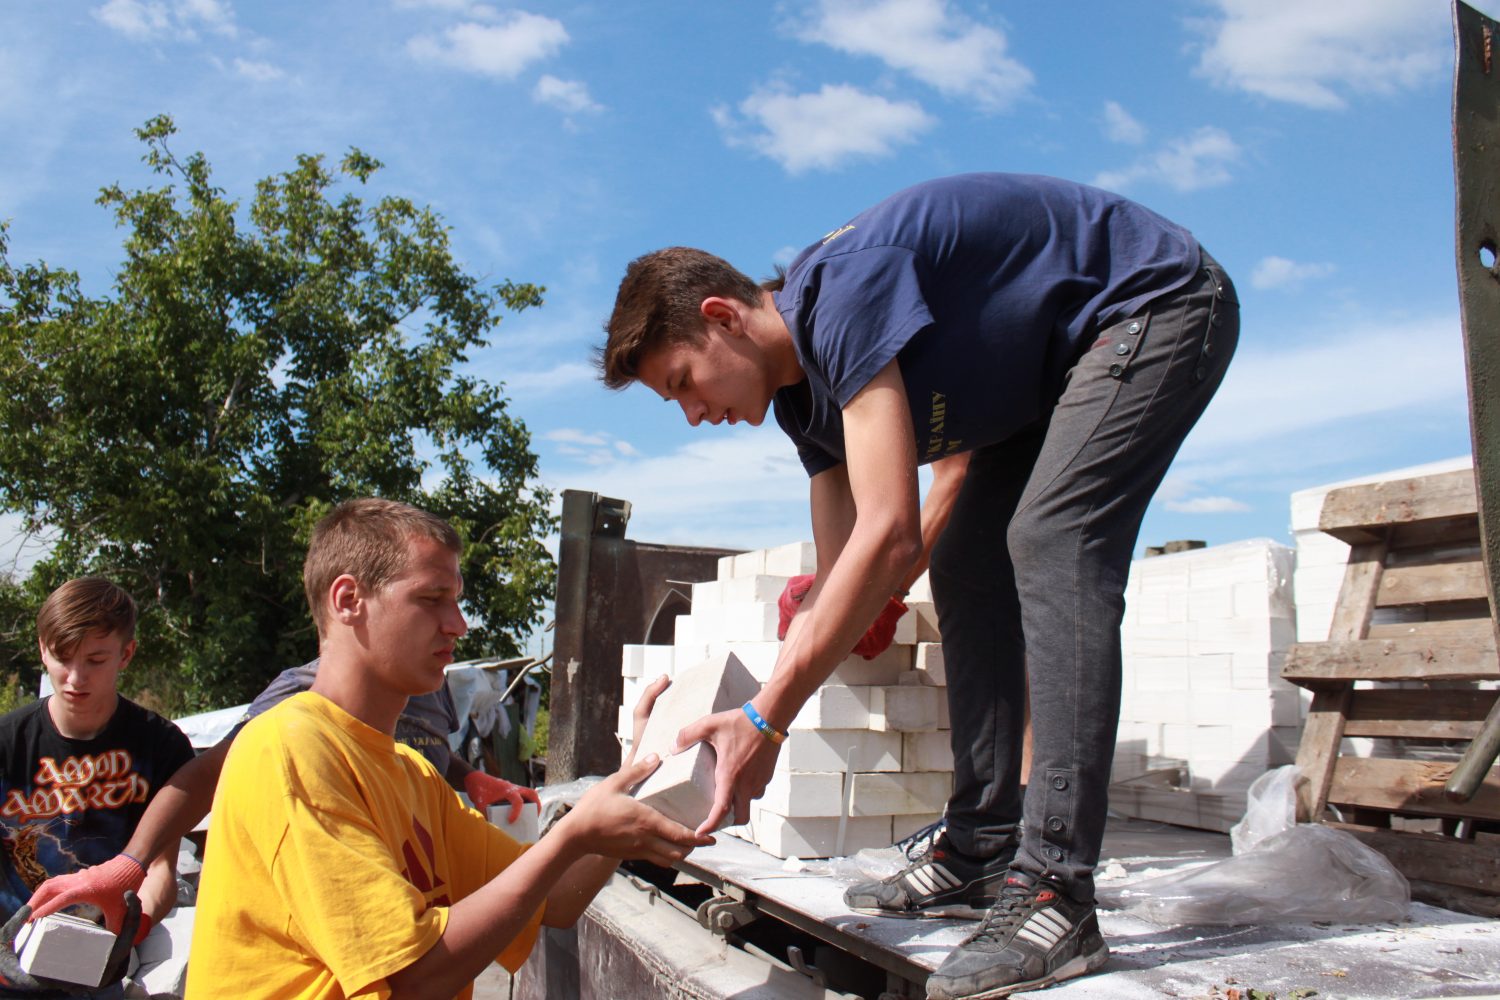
[(183, 433)]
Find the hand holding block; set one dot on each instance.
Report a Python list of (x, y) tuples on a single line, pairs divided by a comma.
[(683, 787), (525, 829), (62, 946)]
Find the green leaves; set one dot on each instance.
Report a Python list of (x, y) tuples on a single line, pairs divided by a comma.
[(247, 370)]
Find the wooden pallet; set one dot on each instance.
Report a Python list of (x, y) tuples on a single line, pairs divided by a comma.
[(1411, 633)]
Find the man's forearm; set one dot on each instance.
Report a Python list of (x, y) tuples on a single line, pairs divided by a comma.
[(179, 805), (483, 923), (159, 891), (577, 888)]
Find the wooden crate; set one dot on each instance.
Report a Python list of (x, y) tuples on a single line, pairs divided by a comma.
[(1411, 635)]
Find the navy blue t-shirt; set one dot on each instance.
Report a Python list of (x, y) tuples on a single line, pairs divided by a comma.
[(985, 287), (68, 804)]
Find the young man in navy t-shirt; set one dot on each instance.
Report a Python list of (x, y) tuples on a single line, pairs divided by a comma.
[(1047, 346)]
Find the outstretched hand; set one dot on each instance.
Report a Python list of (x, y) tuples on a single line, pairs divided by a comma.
[(103, 885), (608, 821), (745, 761)]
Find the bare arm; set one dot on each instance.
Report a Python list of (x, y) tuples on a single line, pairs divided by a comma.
[(159, 891), (880, 547), (178, 806), (947, 479)]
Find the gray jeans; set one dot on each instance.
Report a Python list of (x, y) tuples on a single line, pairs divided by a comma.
[(1029, 581)]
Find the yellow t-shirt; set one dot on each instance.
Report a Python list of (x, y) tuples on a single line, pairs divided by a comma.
[(332, 859)]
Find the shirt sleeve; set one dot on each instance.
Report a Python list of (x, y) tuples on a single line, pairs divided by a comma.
[(482, 851), (870, 303)]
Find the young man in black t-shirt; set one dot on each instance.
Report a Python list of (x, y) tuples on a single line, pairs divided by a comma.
[(78, 768)]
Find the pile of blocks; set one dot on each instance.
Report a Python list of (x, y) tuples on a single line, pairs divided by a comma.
[(868, 760), (1204, 711)]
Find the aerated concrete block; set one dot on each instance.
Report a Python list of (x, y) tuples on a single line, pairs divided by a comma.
[(62, 946), (886, 668), (927, 751), (907, 708), (818, 837), (795, 559), (840, 750), (899, 794), (750, 563), (836, 706), (799, 795), (904, 826), (929, 664), (525, 829), (919, 624), (683, 786)]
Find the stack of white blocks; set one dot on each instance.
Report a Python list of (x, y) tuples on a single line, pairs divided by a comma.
[(1204, 639), (868, 759)]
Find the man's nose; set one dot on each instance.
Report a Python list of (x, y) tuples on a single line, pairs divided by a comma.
[(694, 411)]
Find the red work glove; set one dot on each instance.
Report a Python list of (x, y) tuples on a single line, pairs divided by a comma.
[(102, 885), (877, 639), (145, 928), (486, 789), (790, 600)]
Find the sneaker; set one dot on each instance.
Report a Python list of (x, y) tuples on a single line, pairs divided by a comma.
[(1034, 936), (939, 883)]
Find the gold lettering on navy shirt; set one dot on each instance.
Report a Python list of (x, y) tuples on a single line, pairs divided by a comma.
[(836, 234), (105, 781), (937, 427)]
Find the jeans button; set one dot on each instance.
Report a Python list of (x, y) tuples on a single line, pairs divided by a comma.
[(1201, 373), (1208, 350), (1055, 824), (1133, 328), (1060, 783), (1122, 348), (1217, 320), (1117, 370), (1053, 853)]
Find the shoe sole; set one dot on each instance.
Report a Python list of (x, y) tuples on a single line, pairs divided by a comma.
[(955, 912), (1080, 966)]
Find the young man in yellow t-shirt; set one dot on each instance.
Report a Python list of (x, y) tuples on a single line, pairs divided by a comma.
[(339, 863)]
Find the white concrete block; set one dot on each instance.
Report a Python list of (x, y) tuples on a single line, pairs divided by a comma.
[(919, 624), (163, 954), (758, 657), (885, 669), (749, 563), (625, 724), (800, 794), (840, 750), (818, 837), (927, 751), (836, 706), (749, 622), (682, 788), (794, 559), (929, 664), (726, 567), (1211, 672), (907, 708), (526, 828), (62, 946), (899, 794)]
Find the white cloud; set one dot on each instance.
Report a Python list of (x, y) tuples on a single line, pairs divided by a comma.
[(570, 435), (146, 19), (568, 375), (926, 39), (822, 130), (569, 96), (260, 72), (1273, 395), (1121, 126), (735, 487), (1207, 505), (1278, 272), (1314, 54), (501, 50), (134, 18), (1197, 161)]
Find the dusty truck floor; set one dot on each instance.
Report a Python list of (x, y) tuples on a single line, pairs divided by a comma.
[(1434, 953)]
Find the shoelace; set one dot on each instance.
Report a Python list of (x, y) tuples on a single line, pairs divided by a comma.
[(920, 843), (1013, 906)]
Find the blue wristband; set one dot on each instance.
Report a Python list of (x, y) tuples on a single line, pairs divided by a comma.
[(762, 724)]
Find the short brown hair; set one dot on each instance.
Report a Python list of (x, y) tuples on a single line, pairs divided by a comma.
[(367, 539), (81, 608), (658, 305)]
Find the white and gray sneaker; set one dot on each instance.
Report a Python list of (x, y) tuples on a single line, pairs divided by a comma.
[(939, 883), (1034, 936)]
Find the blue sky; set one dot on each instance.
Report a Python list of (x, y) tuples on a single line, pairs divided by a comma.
[(1307, 144)]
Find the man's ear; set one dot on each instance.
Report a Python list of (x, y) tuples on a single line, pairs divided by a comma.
[(127, 653), (721, 312), (345, 599)]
